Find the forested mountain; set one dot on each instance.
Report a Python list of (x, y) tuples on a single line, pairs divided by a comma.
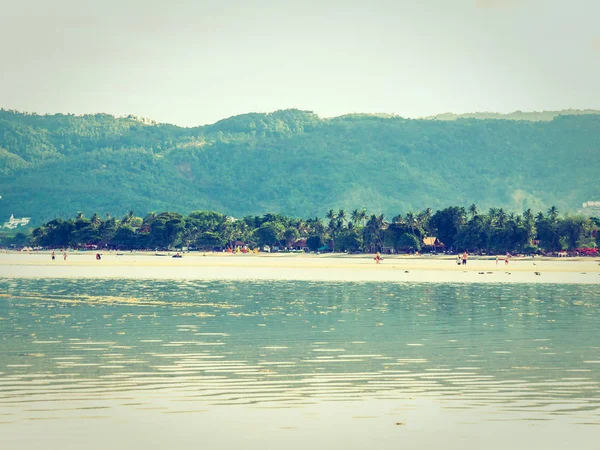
[(292, 162)]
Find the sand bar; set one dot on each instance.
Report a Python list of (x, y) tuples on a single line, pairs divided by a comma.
[(327, 267)]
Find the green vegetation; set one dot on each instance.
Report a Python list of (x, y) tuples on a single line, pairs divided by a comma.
[(294, 163), (458, 229)]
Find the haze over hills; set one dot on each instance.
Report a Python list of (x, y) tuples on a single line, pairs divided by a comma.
[(515, 115), (295, 163)]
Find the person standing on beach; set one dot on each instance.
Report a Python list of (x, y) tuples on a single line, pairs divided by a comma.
[(377, 258), (464, 259), (65, 256), (53, 256)]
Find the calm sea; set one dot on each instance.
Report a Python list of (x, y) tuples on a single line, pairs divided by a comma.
[(148, 363)]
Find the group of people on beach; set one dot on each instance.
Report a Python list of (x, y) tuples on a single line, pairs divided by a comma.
[(64, 256), (53, 255), (461, 260)]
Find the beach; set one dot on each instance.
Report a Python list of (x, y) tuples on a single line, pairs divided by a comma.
[(311, 267)]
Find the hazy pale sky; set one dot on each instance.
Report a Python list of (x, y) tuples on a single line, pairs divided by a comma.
[(195, 62)]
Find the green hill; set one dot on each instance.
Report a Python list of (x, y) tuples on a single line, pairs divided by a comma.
[(293, 162)]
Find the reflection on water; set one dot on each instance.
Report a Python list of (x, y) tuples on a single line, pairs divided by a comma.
[(79, 348)]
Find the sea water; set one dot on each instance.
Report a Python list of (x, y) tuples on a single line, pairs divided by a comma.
[(123, 363)]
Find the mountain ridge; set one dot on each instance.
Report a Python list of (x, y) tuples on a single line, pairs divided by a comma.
[(292, 162)]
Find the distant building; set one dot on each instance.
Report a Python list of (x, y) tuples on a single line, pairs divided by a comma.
[(14, 223), (300, 245), (590, 209), (433, 243)]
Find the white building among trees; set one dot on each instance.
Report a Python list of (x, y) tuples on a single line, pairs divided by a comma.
[(590, 209), (14, 223)]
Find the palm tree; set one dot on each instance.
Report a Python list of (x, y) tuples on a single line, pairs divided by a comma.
[(341, 215), (332, 228), (473, 210), (355, 216), (331, 215), (302, 227), (398, 219), (493, 215), (79, 215), (501, 217), (410, 221), (539, 217), (374, 229), (529, 224), (127, 217), (553, 213), (425, 219), (96, 221), (363, 216)]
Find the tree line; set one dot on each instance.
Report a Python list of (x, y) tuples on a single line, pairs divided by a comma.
[(455, 229)]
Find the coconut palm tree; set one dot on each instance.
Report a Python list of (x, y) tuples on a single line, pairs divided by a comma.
[(425, 219), (493, 215), (501, 217), (355, 216), (96, 221), (332, 227), (529, 221), (374, 231), (127, 217), (302, 227), (363, 216), (473, 210), (341, 215), (553, 213), (411, 221), (539, 217)]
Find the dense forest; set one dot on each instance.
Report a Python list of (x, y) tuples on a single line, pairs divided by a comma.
[(456, 229), (294, 163)]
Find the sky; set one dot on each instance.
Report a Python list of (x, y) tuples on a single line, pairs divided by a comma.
[(196, 62)]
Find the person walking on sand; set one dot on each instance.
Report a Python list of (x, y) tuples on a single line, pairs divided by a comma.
[(53, 256), (506, 258), (65, 256), (464, 259), (378, 258)]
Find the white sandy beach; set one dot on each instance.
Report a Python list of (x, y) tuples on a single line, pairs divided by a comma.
[(327, 267)]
